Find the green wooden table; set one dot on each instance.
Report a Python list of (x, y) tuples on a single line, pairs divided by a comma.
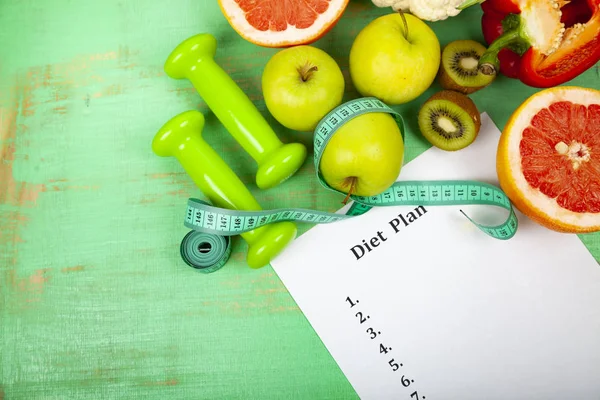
[(95, 301)]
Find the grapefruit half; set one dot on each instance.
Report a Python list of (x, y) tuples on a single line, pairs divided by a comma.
[(282, 23), (548, 159)]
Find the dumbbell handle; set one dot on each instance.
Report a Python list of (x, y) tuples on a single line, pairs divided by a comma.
[(233, 108)]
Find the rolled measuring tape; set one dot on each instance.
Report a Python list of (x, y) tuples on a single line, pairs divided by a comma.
[(202, 217), (204, 251)]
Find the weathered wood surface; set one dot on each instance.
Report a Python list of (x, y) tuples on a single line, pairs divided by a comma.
[(95, 301)]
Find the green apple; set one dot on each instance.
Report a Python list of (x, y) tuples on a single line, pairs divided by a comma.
[(300, 85), (364, 156), (390, 65)]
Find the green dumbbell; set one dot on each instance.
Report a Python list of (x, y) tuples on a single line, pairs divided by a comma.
[(194, 59), (181, 138)]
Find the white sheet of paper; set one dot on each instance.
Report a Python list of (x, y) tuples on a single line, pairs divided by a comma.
[(462, 315)]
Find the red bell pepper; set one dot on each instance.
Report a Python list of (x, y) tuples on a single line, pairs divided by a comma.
[(543, 43)]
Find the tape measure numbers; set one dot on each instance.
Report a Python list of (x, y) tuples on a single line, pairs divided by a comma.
[(220, 223)]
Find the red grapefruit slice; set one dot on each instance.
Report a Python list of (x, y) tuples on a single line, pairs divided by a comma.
[(548, 159), (282, 23)]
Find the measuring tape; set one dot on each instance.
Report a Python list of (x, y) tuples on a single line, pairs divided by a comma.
[(219, 222), (204, 251)]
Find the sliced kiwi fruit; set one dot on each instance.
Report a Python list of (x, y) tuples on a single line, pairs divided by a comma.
[(449, 120), (459, 67)]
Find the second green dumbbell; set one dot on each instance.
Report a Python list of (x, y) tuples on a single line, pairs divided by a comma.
[(181, 137)]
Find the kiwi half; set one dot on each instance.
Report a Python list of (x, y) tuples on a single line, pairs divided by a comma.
[(449, 120), (459, 67)]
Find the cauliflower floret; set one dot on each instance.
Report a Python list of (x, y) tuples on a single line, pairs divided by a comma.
[(395, 4), (427, 10)]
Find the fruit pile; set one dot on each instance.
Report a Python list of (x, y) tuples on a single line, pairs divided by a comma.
[(548, 157)]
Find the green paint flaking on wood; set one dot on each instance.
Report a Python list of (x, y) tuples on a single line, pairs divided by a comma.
[(116, 312)]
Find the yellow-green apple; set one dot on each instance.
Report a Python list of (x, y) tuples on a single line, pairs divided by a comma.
[(388, 63), (300, 85), (364, 157)]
